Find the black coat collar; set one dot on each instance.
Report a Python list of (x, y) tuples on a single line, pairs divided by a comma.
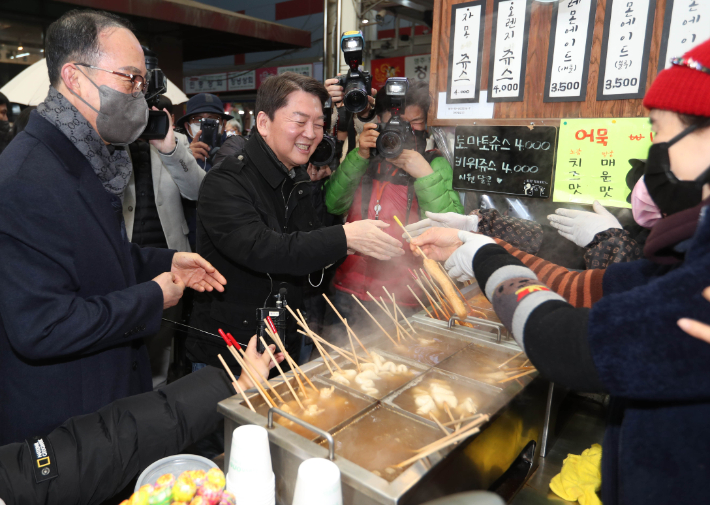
[(268, 165)]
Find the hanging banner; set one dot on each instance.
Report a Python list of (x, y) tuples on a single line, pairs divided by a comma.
[(263, 73), (306, 69), (239, 81), (509, 50), (570, 47), (416, 68), (686, 24), (212, 83), (465, 52), (593, 159), (626, 44), (385, 68)]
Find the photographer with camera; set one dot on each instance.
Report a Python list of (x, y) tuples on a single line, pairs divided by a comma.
[(204, 124), (390, 174)]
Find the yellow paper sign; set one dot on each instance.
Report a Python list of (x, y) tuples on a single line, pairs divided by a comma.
[(593, 159)]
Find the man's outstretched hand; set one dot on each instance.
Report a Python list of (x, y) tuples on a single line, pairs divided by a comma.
[(196, 272)]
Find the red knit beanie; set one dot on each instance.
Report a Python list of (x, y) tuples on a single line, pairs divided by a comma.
[(683, 89)]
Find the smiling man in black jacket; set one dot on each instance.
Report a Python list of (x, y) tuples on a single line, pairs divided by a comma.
[(256, 223)]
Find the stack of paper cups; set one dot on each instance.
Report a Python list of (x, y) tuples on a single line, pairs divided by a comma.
[(250, 476), (318, 483)]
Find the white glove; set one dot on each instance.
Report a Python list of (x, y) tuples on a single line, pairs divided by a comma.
[(460, 263), (580, 226), (448, 220)]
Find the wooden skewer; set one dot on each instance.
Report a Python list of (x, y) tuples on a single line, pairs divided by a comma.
[(479, 419), (387, 311), (470, 309), (517, 376), (462, 436), (510, 359), (460, 421), (343, 353), (352, 346), (283, 376), (236, 385), (519, 369), (288, 360), (448, 411), (373, 318), (410, 237), (420, 302), (436, 292), (322, 355), (525, 362), (433, 303), (346, 324), (310, 334), (253, 378), (476, 418), (396, 308), (293, 362), (438, 423), (251, 368)]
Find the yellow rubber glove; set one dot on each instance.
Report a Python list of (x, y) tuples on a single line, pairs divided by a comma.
[(580, 478)]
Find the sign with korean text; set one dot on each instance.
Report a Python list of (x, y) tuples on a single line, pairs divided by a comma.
[(593, 159), (212, 83), (570, 47), (417, 68), (465, 48), (263, 73), (686, 24), (306, 69), (628, 26), (509, 50), (513, 160), (244, 80)]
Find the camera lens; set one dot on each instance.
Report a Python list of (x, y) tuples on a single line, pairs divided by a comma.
[(324, 153), (355, 99), (390, 144)]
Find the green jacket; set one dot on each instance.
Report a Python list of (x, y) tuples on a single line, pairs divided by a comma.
[(434, 191)]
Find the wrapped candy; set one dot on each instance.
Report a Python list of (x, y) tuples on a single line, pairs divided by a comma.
[(228, 499), (216, 476), (184, 488), (211, 493), (198, 477)]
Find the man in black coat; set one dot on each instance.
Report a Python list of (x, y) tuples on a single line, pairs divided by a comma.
[(256, 222), (76, 298)]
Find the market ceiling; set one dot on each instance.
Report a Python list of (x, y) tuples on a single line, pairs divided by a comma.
[(206, 31)]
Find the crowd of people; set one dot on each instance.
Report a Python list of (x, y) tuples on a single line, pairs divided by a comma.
[(103, 231)]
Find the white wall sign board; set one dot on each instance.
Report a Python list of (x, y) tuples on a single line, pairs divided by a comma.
[(509, 50), (417, 68), (482, 110), (466, 45), (238, 81), (686, 24)]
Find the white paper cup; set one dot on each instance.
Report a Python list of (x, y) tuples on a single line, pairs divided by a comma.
[(318, 483), (250, 451), (248, 490)]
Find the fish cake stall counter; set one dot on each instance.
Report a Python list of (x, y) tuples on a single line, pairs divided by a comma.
[(396, 405)]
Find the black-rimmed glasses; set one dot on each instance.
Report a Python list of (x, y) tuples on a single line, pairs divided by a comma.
[(139, 84)]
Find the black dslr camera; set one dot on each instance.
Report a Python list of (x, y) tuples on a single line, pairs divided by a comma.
[(325, 152), (158, 121), (397, 134), (356, 83)]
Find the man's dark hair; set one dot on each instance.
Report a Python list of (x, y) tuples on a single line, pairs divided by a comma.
[(22, 119), (5, 101), (75, 37), (417, 94), (165, 103), (274, 91)]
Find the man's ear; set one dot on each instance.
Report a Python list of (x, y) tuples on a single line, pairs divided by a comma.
[(263, 124), (70, 77)]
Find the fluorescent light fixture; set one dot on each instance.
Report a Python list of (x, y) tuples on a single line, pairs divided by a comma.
[(241, 112), (21, 55)]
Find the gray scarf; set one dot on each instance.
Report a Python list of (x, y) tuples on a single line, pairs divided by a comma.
[(113, 167)]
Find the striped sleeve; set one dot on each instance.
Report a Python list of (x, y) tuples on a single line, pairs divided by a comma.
[(580, 289)]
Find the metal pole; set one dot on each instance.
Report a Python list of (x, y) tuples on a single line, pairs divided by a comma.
[(325, 40), (336, 48)]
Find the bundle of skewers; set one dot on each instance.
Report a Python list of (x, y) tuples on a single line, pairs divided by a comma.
[(516, 372), (445, 298)]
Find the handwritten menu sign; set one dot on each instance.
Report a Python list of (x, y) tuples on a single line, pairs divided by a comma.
[(513, 160), (570, 46), (685, 25), (593, 159), (628, 26), (465, 49), (237, 81), (509, 50)]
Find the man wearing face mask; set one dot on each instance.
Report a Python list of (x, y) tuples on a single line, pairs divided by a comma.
[(257, 224), (203, 109), (369, 187), (76, 297)]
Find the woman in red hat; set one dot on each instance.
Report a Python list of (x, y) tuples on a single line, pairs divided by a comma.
[(629, 343)]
